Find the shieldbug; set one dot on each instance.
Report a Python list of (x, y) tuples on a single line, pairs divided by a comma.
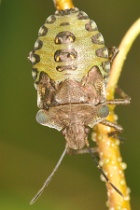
[(71, 67)]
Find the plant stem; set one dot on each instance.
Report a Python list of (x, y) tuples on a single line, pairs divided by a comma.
[(63, 4), (124, 48), (110, 157)]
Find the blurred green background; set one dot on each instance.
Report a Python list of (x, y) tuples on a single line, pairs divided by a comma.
[(29, 151)]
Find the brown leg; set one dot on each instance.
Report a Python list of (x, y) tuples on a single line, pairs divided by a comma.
[(125, 98), (112, 125), (114, 134), (102, 172), (113, 52), (81, 151)]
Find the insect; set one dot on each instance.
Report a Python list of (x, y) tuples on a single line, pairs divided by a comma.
[(71, 66)]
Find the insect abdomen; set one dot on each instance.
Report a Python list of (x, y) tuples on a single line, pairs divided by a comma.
[(68, 46)]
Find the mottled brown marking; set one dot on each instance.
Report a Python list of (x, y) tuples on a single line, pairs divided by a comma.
[(34, 73), (38, 44), (82, 16), (91, 26), (73, 120), (33, 58), (106, 66), (46, 91), (102, 52), (64, 24), (97, 39), (65, 55), (66, 67), (66, 11), (43, 31), (51, 19), (64, 37)]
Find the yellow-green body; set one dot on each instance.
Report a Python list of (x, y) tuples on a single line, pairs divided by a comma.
[(86, 50)]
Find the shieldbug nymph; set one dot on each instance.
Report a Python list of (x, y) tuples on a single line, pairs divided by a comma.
[(71, 66)]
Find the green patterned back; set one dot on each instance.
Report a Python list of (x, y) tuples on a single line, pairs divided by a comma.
[(68, 46)]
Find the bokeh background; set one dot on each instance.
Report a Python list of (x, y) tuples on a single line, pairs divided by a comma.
[(29, 151)]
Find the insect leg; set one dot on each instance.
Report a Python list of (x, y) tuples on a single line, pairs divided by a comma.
[(113, 52), (113, 125), (49, 178), (113, 134), (82, 151), (125, 98), (102, 172)]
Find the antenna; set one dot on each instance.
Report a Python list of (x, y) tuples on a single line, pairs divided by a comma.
[(102, 172), (49, 178)]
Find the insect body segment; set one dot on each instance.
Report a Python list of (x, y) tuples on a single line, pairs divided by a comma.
[(69, 45)]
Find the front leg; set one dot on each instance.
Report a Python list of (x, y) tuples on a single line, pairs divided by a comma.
[(125, 99)]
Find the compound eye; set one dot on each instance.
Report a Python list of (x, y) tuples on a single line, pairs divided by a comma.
[(103, 111), (48, 118), (42, 117)]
